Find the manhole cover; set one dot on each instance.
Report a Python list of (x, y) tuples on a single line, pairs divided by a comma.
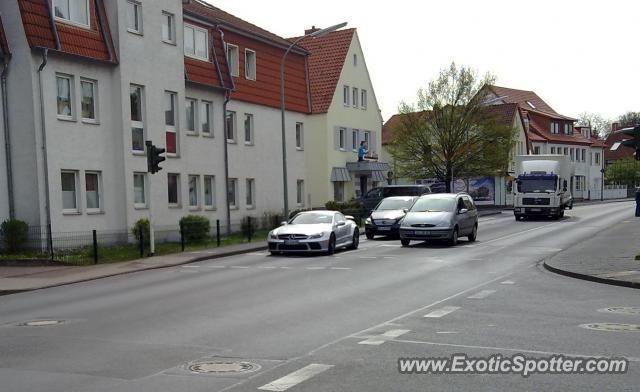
[(209, 367), (612, 327), (41, 323), (621, 309)]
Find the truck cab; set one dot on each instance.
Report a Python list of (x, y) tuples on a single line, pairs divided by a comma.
[(542, 186)]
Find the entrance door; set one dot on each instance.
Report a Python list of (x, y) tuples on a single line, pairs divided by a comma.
[(363, 185)]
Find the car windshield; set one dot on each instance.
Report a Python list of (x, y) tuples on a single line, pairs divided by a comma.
[(311, 218), (533, 185), (394, 204), (433, 204)]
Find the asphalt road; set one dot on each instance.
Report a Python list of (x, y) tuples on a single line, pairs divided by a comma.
[(330, 323)]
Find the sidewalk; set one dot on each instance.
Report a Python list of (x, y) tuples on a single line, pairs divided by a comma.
[(15, 279), (609, 257)]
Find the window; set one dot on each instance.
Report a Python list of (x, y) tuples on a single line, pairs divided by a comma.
[(64, 97), (341, 138), (355, 97), (168, 28), (134, 17), (571, 154), (232, 192), (566, 129), (139, 195), (205, 117), (354, 139), (367, 138), (530, 104), (209, 192), (338, 191), (137, 120), (69, 196), (173, 189), (345, 95), (553, 150), (231, 126), (88, 102), (170, 121), (75, 11), (355, 60), (250, 64), (363, 99), (248, 128), (555, 127), (190, 111), (300, 193), (251, 189), (566, 151), (536, 150), (196, 42), (193, 191), (299, 136), (92, 190), (584, 155), (233, 59), (597, 158)]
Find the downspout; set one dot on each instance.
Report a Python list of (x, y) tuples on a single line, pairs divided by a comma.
[(54, 29), (45, 53), (101, 19), (7, 136), (227, 98)]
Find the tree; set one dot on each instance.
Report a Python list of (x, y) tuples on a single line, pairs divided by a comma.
[(624, 171), (451, 131), (600, 126), (629, 119)]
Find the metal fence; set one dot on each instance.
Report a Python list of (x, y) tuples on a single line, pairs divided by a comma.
[(101, 246)]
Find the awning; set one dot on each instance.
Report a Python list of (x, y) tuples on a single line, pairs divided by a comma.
[(378, 176), (340, 174), (368, 166)]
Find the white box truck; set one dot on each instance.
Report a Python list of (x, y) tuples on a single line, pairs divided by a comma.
[(543, 186)]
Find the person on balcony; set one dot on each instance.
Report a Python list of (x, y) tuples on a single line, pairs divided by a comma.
[(362, 151)]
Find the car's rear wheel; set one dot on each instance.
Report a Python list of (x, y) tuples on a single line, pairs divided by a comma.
[(405, 242), (355, 241), (453, 241), (331, 247), (369, 235), (474, 233)]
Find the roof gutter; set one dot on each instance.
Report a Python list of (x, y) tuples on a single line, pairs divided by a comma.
[(7, 134), (43, 129)]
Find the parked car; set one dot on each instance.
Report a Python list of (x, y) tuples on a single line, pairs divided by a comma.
[(375, 195), (315, 231), (440, 216), (385, 217)]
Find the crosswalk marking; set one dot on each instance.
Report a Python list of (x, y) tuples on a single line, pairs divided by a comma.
[(295, 378), (378, 340), (481, 294), (442, 312)]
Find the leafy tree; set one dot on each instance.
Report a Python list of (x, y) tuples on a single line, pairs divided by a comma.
[(600, 126), (624, 171), (451, 132), (629, 119)]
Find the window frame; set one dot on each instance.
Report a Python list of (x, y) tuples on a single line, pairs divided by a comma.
[(355, 98), (196, 191), (250, 193), (72, 109), (137, 124), (363, 99), (250, 142), (195, 106), (168, 128), (144, 203), (346, 92), (76, 209), (70, 20), (234, 67), (171, 18), (195, 29), (230, 119), (355, 136), (338, 190), (248, 63), (137, 15), (100, 208), (212, 181), (300, 193), (209, 115), (342, 138), (232, 189), (177, 203), (94, 84), (299, 136)]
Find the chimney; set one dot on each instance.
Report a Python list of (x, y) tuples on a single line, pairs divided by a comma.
[(615, 126), (313, 29)]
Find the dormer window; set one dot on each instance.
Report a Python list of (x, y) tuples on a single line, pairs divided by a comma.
[(555, 127), (74, 11), (195, 42)]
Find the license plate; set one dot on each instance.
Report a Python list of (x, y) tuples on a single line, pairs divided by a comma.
[(384, 228), (291, 242), (408, 232)]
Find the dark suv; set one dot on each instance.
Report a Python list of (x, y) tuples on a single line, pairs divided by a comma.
[(371, 199)]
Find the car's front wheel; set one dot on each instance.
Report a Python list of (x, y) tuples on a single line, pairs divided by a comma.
[(405, 241), (355, 241), (369, 235), (453, 241), (331, 247)]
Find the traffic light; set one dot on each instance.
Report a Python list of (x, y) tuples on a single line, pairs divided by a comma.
[(635, 142), (154, 157)]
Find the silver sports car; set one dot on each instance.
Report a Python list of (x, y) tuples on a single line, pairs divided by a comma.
[(315, 231)]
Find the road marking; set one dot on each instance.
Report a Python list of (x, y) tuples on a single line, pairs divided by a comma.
[(516, 234), (315, 268), (378, 340), (340, 268), (446, 332), (442, 311), (367, 257), (389, 257), (190, 266), (217, 266), (508, 282), (284, 267), (295, 378), (267, 267), (390, 245), (481, 294), (257, 254), (239, 267)]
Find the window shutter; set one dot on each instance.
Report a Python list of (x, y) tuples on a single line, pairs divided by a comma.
[(372, 144), (336, 138)]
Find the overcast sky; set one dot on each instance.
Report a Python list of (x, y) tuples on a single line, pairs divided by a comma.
[(576, 55)]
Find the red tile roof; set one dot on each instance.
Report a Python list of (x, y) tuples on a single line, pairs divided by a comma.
[(213, 73), (621, 151), (535, 127), (521, 97), (94, 42), (4, 46), (327, 57)]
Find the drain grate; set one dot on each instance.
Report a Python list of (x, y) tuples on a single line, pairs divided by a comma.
[(223, 367), (612, 327), (41, 323), (621, 310)]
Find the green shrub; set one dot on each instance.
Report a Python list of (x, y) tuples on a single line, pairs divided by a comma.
[(144, 225), (248, 226), (196, 228), (350, 205), (14, 235), (271, 220)]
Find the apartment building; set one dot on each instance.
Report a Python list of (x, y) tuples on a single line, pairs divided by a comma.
[(89, 81)]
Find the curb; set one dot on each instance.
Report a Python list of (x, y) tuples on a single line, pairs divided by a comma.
[(193, 260), (591, 278)]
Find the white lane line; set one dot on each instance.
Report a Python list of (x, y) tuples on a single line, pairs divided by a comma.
[(367, 257), (508, 282), (285, 267), (446, 332), (217, 266), (239, 267), (390, 245), (340, 268), (267, 267), (295, 378), (442, 311), (516, 234), (315, 268), (190, 266), (378, 340), (389, 257), (257, 254), (481, 294)]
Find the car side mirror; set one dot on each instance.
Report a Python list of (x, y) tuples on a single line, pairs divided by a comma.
[(283, 223), (405, 210), (342, 223), (463, 211)]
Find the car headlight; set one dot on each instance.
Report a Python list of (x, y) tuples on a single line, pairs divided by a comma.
[(367, 221), (272, 235), (314, 236), (443, 223)]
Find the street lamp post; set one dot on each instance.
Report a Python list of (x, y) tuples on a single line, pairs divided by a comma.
[(314, 34)]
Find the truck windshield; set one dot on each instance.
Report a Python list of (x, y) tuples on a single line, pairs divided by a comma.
[(536, 185)]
